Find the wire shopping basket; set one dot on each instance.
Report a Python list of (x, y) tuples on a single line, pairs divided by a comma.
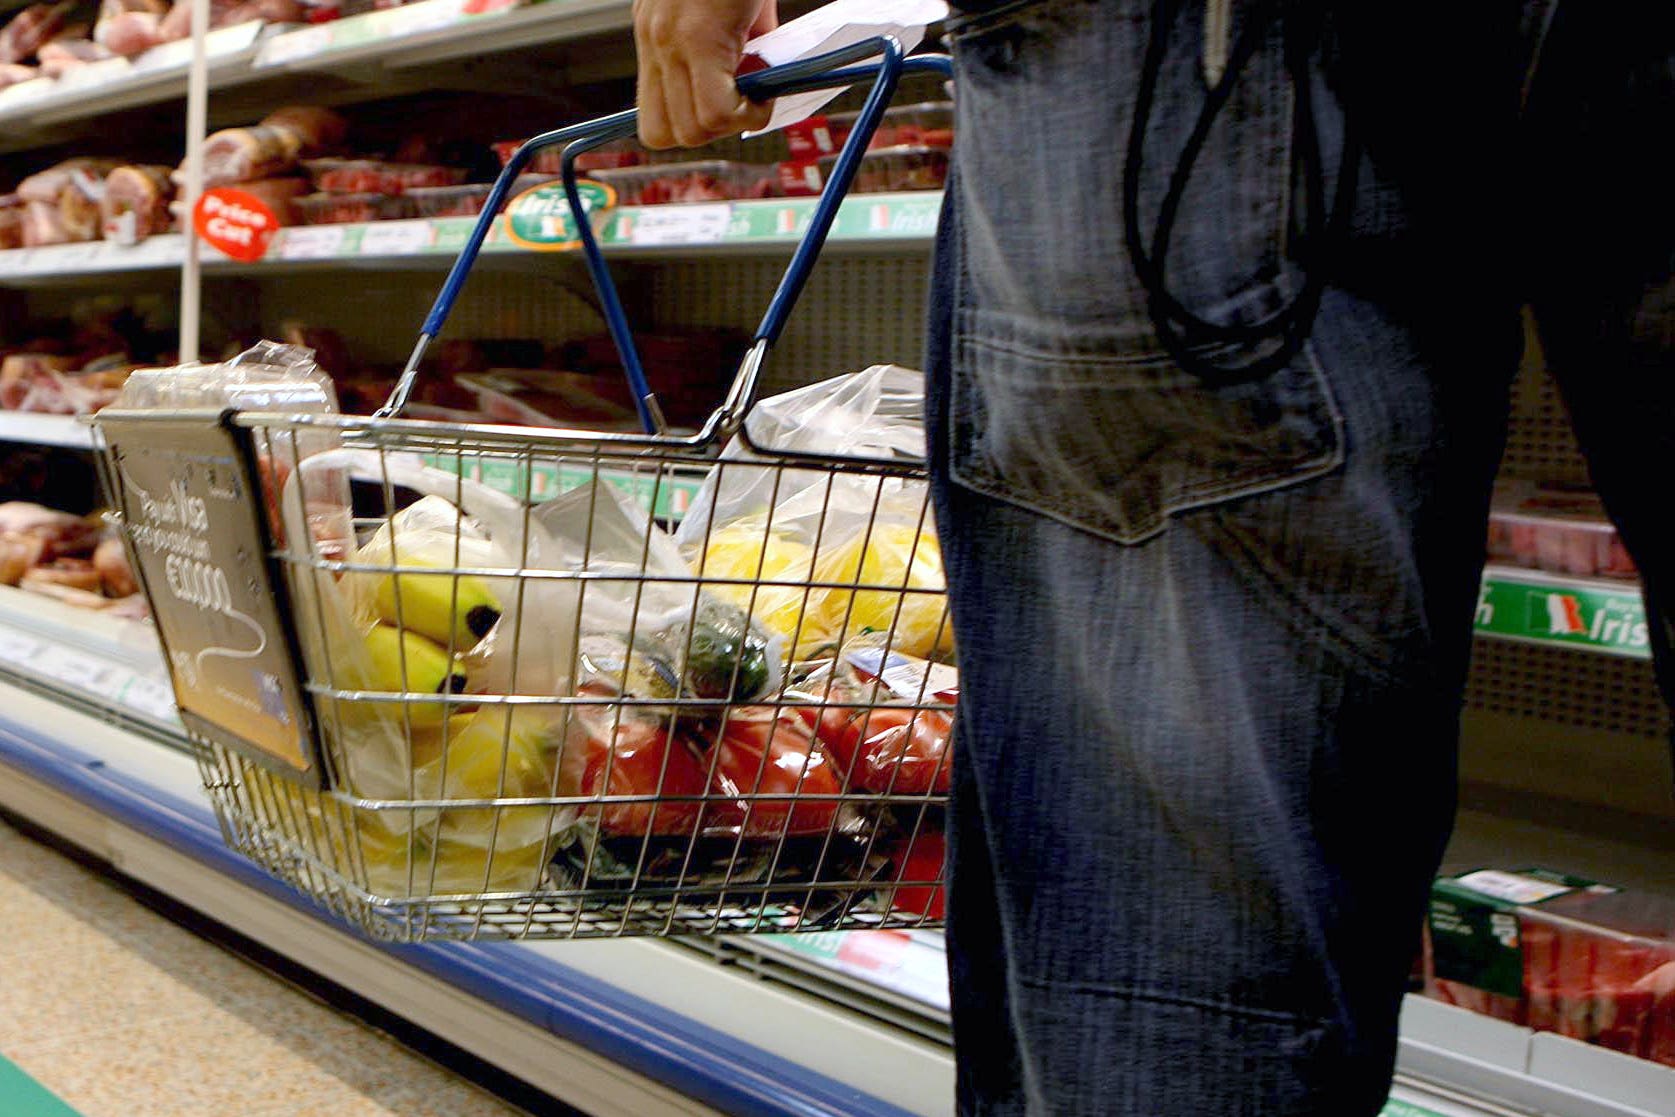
[(442, 711)]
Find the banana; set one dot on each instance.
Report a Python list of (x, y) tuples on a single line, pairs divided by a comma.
[(408, 663), (430, 605)]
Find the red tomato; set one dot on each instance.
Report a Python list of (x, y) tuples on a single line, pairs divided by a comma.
[(643, 759), (774, 755), (919, 861), (888, 749)]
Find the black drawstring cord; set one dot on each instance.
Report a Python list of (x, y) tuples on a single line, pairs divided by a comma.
[(1185, 335)]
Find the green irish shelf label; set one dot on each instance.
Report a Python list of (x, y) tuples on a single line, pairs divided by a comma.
[(666, 494), (1583, 614), (540, 218), (1394, 1108)]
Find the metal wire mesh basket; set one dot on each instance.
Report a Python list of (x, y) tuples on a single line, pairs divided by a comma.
[(634, 686)]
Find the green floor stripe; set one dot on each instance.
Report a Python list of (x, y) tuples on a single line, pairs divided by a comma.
[(22, 1096)]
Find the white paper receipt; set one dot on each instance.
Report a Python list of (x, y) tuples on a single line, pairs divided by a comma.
[(832, 27)]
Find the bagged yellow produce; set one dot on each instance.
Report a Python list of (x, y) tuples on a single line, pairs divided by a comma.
[(748, 551), (902, 565)]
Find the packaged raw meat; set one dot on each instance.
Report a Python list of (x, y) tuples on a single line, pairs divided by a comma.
[(130, 27), (63, 55), (369, 176), (11, 73), (341, 209), (49, 185), (320, 130), (11, 221), (467, 200), (29, 29), (1600, 967), (116, 577), (235, 155), (619, 153), (229, 13), (1558, 528), (902, 168), (279, 195), (712, 180), (1476, 956), (18, 554), (60, 534), (930, 124), (136, 203), (450, 201), (882, 170), (43, 225)]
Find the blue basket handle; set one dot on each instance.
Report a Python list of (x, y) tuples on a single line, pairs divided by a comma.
[(826, 71)]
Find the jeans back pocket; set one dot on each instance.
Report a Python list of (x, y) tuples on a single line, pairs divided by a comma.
[(1088, 424)]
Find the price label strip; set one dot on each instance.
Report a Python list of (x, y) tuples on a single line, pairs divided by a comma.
[(317, 242), (681, 224), (397, 238)]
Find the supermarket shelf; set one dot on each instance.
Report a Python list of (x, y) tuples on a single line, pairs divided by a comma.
[(110, 667), (33, 113), (1540, 1072), (868, 223), (30, 111), (23, 267), (45, 430), (437, 31), (1593, 614)]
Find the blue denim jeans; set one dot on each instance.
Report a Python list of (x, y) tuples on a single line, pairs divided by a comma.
[(1214, 636)]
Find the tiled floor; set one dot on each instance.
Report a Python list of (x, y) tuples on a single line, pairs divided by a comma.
[(122, 1013)]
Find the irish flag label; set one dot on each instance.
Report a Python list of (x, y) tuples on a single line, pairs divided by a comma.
[(1528, 605)]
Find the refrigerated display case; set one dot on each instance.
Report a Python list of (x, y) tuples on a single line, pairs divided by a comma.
[(1564, 759)]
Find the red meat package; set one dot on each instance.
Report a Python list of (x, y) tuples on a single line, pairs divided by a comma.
[(1558, 528), (1600, 967), (885, 717)]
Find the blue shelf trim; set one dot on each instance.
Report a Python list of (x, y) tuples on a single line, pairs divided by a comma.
[(692, 1058)]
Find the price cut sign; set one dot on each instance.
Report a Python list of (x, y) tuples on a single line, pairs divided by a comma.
[(236, 222)]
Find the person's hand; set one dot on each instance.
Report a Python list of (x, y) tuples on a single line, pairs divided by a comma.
[(689, 51)]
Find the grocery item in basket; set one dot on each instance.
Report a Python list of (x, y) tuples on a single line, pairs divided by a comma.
[(709, 181), (341, 209), (369, 176), (1600, 967), (130, 27), (873, 545), (136, 203), (1563, 529), (776, 778), (916, 861), (25, 33), (867, 708), (60, 56)]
